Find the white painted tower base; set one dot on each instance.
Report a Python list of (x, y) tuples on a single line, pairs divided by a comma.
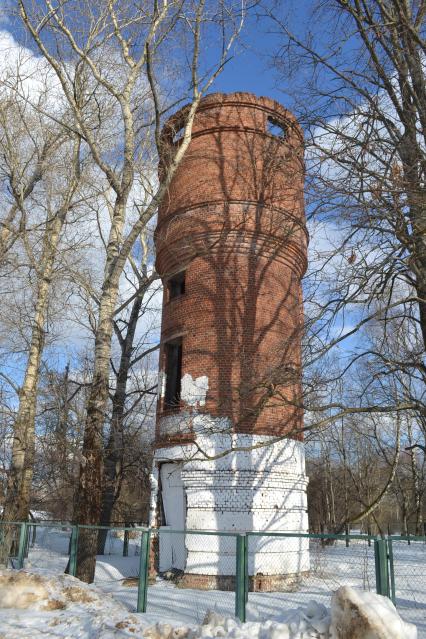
[(259, 486)]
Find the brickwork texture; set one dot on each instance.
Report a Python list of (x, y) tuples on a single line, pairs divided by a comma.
[(233, 221)]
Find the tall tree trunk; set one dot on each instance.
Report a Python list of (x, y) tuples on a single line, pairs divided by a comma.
[(417, 244), (113, 465), (332, 495), (87, 508), (18, 491), (345, 478)]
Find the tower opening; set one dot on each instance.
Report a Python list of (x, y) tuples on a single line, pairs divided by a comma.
[(173, 372), (176, 285), (276, 128), (172, 545)]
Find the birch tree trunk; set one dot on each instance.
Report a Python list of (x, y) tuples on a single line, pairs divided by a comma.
[(20, 474), (417, 488), (18, 491)]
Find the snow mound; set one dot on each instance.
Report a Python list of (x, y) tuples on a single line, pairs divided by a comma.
[(23, 590), (356, 614), (309, 622), (35, 605)]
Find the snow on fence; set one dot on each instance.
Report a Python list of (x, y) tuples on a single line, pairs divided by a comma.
[(142, 568)]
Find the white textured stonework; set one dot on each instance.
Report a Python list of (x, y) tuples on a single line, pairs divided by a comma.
[(259, 486)]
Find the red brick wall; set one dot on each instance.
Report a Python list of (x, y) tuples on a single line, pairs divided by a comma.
[(234, 218)]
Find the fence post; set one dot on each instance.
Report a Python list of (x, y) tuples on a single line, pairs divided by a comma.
[(240, 578), (73, 551), (391, 571), (382, 572), (246, 566), (22, 544), (126, 543), (27, 542), (143, 572), (33, 535)]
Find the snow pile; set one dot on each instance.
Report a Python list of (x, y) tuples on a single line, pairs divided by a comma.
[(35, 605), (45, 591), (356, 614), (21, 591), (310, 622)]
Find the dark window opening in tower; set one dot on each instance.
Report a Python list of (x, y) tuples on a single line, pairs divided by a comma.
[(276, 128), (176, 285), (173, 373)]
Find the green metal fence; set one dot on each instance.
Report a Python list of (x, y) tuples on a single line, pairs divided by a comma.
[(407, 578), (250, 575), (14, 535), (308, 567)]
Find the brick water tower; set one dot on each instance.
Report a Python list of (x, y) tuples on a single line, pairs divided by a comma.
[(231, 248)]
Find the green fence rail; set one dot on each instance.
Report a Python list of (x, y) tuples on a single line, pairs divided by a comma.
[(261, 568)]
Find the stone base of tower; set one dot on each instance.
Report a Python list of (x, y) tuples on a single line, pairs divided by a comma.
[(258, 583), (260, 486)]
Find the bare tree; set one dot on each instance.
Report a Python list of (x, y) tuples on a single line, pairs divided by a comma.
[(27, 146), (59, 435), (357, 86), (127, 398), (117, 62), (53, 164)]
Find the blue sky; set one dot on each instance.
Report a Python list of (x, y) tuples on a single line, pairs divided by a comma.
[(250, 70), (250, 67)]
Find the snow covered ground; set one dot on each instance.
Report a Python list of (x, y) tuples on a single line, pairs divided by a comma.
[(331, 567), (41, 604)]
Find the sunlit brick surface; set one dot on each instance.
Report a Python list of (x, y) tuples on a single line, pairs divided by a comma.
[(233, 220)]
